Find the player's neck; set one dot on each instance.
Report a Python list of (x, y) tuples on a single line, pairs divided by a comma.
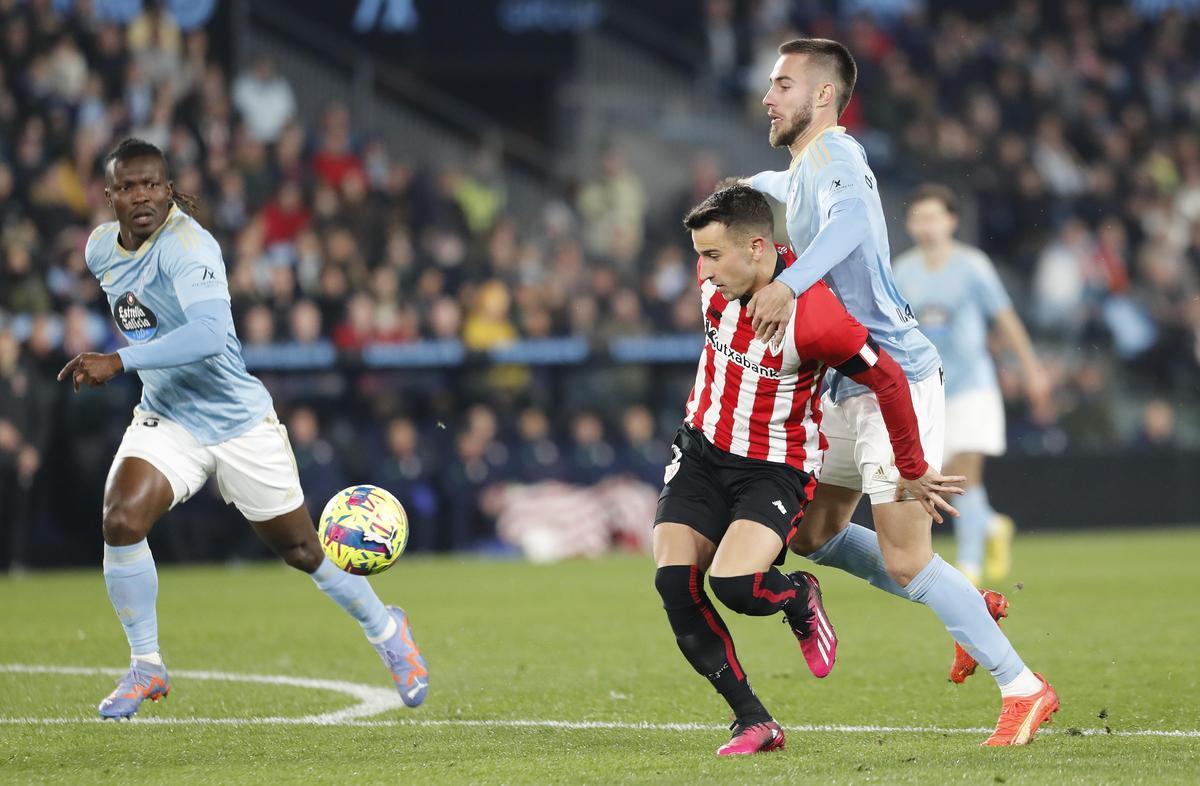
[(937, 254), (817, 128), (765, 274), (132, 242)]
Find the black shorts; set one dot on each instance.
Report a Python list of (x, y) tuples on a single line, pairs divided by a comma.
[(708, 489)]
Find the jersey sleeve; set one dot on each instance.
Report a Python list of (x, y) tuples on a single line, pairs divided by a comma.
[(195, 266), (825, 331), (839, 176), (773, 184), (987, 288)]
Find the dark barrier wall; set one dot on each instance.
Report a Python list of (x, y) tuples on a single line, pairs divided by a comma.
[(1118, 489)]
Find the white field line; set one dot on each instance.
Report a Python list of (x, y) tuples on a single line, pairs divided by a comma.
[(373, 701)]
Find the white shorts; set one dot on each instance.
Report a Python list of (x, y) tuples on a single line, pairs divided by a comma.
[(860, 453), (255, 471), (975, 423)]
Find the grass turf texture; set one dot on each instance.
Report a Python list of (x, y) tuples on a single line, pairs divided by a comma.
[(1111, 618)]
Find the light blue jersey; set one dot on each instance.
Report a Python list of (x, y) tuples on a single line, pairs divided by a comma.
[(180, 265), (955, 304), (822, 185)]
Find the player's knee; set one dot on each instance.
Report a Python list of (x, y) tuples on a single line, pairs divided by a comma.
[(807, 540), (123, 526), (674, 585), (902, 568), (303, 555), (735, 592)]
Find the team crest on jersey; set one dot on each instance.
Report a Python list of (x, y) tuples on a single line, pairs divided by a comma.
[(134, 318)]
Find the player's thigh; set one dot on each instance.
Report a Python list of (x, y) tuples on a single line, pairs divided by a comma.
[(829, 513), (257, 473), (748, 547), (840, 467), (157, 460), (873, 452), (905, 538), (136, 495), (680, 544), (975, 423), (694, 499)]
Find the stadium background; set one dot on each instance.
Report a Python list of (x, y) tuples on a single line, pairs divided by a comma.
[(453, 239)]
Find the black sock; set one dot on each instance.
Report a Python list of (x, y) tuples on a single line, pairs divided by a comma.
[(704, 639), (763, 594)]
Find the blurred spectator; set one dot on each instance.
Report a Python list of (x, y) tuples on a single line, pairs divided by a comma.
[(537, 456), (591, 456), (265, 100), (407, 471), (613, 207), (321, 471), (1157, 429), (335, 157), (643, 454)]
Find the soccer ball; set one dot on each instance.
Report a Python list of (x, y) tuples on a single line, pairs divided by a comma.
[(363, 529)]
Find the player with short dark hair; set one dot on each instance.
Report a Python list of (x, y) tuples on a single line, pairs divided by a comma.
[(747, 456), (201, 414), (835, 221), (955, 292)]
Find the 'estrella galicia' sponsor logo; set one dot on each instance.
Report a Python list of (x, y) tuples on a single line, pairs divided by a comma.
[(134, 318), (738, 357)]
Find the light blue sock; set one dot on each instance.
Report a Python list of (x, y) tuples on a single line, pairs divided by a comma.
[(856, 551), (132, 585), (355, 595), (971, 528), (962, 610)]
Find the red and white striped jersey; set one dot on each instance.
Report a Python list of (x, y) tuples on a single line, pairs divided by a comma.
[(751, 401)]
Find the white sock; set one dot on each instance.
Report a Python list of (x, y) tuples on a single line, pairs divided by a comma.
[(388, 632), (153, 657), (1026, 684)]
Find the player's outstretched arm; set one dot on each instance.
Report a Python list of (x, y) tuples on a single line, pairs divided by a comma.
[(202, 336), (1037, 386), (771, 307)]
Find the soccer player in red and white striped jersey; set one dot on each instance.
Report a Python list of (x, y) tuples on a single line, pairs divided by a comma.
[(748, 453)]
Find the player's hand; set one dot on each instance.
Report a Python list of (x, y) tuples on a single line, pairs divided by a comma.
[(1041, 400), (769, 311), (929, 490), (92, 369)]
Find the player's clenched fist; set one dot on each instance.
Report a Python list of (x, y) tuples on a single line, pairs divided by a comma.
[(92, 369)]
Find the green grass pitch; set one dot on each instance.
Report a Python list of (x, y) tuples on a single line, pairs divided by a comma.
[(1113, 619)]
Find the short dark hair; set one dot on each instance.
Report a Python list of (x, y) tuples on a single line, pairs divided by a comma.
[(131, 148), (737, 207), (937, 192), (830, 53)]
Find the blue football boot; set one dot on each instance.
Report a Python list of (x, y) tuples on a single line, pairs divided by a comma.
[(143, 681), (404, 660)]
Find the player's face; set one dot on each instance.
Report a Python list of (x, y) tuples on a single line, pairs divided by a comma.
[(930, 223), (140, 194), (791, 100), (727, 259)]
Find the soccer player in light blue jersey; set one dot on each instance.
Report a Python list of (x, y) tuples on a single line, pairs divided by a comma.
[(957, 296), (200, 414), (836, 225)]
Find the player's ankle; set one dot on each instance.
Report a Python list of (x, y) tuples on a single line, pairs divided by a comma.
[(1025, 684)]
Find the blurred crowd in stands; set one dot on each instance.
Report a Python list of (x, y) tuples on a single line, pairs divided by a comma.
[(1069, 128)]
